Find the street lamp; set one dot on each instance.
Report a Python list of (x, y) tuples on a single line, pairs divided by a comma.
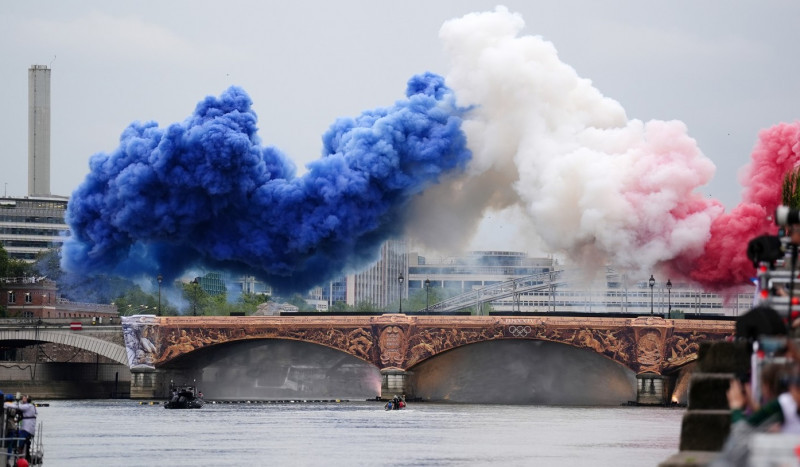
[(159, 278), (195, 283), (400, 280), (652, 282), (669, 299), (427, 293)]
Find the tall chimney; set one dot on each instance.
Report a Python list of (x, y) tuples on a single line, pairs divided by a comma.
[(38, 130)]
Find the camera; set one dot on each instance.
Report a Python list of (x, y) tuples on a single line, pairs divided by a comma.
[(784, 215), (765, 249)]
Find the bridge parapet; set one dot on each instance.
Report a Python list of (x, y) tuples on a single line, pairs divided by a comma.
[(643, 344)]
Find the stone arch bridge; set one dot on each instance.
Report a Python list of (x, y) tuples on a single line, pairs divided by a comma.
[(649, 346), (105, 343)]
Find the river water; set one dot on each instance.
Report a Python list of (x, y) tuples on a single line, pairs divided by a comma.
[(128, 433)]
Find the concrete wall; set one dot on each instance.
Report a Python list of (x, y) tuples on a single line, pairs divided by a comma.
[(66, 380)]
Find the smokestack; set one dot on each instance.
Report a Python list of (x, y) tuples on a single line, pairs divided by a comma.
[(38, 130)]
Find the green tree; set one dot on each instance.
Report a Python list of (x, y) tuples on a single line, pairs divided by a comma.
[(790, 194), (18, 268), (418, 299), (3, 261), (253, 300), (218, 305), (248, 302), (340, 307), (199, 300), (48, 263), (367, 307), (137, 302)]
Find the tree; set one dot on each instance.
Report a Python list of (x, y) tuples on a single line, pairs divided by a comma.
[(340, 307), (199, 300), (48, 263), (137, 302), (790, 194), (18, 268), (3, 261), (367, 307), (253, 299)]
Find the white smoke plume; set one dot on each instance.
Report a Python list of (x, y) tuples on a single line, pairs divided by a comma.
[(593, 184)]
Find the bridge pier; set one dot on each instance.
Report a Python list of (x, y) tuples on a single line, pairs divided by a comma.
[(652, 389), (395, 382), (146, 383)]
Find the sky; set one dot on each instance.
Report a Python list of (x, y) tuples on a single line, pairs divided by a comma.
[(725, 69)]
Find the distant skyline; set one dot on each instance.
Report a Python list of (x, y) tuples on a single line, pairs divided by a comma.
[(725, 70)]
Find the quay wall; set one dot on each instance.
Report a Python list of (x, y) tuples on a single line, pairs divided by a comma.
[(66, 380)]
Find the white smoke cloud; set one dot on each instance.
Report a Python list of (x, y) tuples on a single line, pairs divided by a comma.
[(594, 185)]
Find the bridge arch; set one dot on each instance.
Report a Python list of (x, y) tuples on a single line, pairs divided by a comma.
[(177, 356), (423, 351), (171, 357), (532, 371), (101, 347), (275, 369)]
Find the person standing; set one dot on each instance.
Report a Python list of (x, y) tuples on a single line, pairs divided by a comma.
[(27, 424)]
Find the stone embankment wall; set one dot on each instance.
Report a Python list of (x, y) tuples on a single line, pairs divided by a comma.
[(66, 380)]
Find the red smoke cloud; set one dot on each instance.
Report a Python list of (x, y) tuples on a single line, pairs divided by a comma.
[(724, 262)]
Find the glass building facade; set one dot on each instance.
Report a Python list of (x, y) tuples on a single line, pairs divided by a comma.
[(32, 225)]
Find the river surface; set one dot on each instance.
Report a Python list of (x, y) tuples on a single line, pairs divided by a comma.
[(128, 433)]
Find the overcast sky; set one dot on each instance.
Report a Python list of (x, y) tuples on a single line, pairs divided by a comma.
[(726, 68)]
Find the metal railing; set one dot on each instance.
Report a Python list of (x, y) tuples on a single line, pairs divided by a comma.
[(505, 289)]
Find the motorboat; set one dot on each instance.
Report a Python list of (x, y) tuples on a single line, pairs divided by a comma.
[(184, 397)]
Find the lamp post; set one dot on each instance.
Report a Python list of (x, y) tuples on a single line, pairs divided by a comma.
[(194, 293), (427, 293), (159, 278), (669, 299), (400, 280), (651, 282)]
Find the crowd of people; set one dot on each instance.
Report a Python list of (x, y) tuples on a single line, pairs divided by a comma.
[(773, 409), (396, 403), (20, 427), (768, 400)]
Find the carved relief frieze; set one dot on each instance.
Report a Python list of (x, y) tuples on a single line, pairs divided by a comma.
[(644, 344), (426, 342), (613, 343), (649, 351), (178, 341), (393, 345)]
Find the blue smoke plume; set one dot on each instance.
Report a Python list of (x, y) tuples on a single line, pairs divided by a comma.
[(206, 193)]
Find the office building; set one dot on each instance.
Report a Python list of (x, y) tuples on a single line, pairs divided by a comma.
[(32, 225), (378, 285), (35, 223)]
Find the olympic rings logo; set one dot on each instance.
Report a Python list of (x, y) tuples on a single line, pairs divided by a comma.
[(519, 331)]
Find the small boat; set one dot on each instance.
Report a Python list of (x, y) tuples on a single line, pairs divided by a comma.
[(184, 397), (395, 403)]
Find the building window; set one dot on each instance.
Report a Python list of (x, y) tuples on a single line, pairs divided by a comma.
[(12, 297), (28, 297)]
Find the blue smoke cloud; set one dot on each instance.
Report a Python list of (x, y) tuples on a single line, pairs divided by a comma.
[(206, 193)]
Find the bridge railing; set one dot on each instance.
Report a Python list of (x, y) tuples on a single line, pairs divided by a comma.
[(55, 322)]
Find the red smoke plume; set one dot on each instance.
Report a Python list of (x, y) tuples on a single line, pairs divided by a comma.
[(724, 262)]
